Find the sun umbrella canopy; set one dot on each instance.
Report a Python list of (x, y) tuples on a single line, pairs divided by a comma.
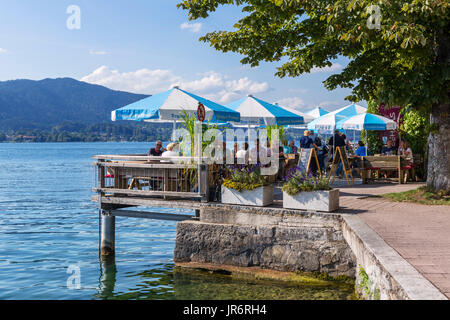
[(256, 111), (306, 117), (328, 122), (367, 121), (317, 112), (350, 110), (169, 105)]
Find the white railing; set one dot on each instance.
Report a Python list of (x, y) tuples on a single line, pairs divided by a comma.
[(142, 175)]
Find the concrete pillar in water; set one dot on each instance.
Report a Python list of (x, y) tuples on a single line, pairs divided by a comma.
[(108, 233)]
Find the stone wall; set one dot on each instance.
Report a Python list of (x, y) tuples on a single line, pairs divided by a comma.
[(269, 238)]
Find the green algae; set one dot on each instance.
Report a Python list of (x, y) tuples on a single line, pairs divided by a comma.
[(175, 283)]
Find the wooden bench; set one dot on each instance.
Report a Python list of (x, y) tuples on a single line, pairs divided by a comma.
[(371, 164)]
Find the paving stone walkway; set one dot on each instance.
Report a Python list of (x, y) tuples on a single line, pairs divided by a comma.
[(419, 233)]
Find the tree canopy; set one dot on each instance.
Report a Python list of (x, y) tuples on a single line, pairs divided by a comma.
[(395, 47)]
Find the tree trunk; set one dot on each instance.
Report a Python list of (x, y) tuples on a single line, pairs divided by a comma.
[(439, 148)]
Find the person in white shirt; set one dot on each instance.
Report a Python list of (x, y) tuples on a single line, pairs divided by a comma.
[(406, 151), (257, 152), (242, 154), (172, 151)]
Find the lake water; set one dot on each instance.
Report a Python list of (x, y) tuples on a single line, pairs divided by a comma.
[(49, 226)]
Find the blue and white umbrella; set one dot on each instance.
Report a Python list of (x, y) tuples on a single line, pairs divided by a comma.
[(328, 122), (367, 121), (306, 117), (317, 112), (256, 112), (350, 110), (169, 105)]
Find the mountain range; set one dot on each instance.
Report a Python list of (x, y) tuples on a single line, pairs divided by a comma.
[(44, 104)]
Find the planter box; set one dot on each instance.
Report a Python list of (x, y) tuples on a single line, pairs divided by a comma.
[(327, 201), (262, 196)]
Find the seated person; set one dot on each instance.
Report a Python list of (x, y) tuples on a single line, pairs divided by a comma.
[(389, 149), (286, 148), (172, 151), (362, 150), (406, 151), (157, 150), (257, 152), (235, 151), (242, 155), (293, 148), (281, 163)]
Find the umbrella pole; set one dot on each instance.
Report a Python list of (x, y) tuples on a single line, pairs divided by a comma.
[(199, 156), (354, 137), (367, 140), (174, 130), (334, 145)]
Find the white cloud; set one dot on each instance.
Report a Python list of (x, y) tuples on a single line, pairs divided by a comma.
[(332, 68), (292, 102), (193, 27), (139, 81), (211, 85), (217, 87), (97, 52), (3, 51)]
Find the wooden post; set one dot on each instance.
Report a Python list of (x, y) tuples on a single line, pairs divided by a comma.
[(363, 171), (108, 233), (101, 173)]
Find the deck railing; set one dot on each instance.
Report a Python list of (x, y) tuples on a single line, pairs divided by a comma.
[(142, 175)]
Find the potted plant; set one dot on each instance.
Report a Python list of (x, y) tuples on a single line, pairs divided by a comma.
[(246, 186), (307, 192)]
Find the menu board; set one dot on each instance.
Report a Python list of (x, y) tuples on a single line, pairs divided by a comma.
[(304, 159)]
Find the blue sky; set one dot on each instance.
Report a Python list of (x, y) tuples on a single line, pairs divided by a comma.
[(144, 46)]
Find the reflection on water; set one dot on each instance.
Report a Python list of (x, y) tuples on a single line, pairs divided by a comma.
[(108, 272), (167, 282)]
